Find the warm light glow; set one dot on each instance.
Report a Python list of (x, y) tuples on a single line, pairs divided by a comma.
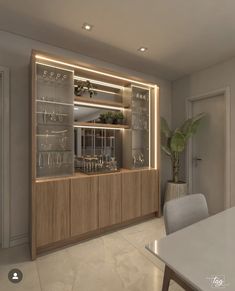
[(87, 26), (53, 102), (98, 127), (98, 105), (149, 128), (46, 65), (99, 90), (105, 91), (142, 49), (156, 126), (99, 82), (93, 71)]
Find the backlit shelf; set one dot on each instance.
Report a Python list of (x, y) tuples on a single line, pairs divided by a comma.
[(100, 125), (83, 101)]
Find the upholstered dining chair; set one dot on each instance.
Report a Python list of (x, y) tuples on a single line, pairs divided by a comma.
[(179, 213)]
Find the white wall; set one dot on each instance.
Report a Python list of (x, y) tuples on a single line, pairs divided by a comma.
[(213, 78), (15, 53)]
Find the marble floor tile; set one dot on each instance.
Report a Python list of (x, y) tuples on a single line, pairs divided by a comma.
[(56, 272), (117, 261), (142, 234)]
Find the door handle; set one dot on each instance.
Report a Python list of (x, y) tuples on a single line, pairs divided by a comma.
[(196, 160)]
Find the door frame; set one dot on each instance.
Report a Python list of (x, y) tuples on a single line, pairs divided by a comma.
[(5, 156), (189, 170)]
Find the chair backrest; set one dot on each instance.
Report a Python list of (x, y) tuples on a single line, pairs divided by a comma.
[(184, 211)]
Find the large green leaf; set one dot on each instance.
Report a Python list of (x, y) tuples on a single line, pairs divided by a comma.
[(192, 128), (165, 128), (177, 142), (166, 150)]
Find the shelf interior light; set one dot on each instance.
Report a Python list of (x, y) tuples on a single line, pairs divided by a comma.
[(81, 103), (155, 127), (98, 82), (98, 127)]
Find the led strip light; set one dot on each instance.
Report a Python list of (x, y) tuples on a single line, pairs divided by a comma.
[(98, 127), (98, 82), (92, 71), (98, 105)]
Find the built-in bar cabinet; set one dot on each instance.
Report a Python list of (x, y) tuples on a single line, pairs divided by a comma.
[(95, 151)]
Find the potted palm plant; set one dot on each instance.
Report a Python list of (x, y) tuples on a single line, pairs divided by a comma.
[(173, 144)]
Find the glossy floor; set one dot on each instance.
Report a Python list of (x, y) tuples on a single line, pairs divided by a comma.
[(113, 262)]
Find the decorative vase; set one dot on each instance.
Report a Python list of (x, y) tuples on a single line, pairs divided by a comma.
[(175, 190)]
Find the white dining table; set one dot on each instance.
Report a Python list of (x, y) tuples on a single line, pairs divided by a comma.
[(202, 254)]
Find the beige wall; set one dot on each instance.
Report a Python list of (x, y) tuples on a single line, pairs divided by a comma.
[(15, 53), (216, 77)]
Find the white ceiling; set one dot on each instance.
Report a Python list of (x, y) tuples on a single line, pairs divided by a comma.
[(183, 36)]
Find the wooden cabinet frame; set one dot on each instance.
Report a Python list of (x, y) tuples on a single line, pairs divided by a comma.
[(123, 209)]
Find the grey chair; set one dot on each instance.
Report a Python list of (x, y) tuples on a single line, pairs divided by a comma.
[(179, 213)]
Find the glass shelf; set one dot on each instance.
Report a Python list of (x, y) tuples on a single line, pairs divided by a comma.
[(53, 102)]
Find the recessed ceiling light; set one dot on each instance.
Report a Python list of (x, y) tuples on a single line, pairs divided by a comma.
[(87, 26), (142, 49)]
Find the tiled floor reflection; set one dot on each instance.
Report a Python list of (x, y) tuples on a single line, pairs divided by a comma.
[(116, 261)]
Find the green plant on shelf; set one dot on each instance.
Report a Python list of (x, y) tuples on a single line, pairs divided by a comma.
[(118, 117), (111, 117), (82, 87)]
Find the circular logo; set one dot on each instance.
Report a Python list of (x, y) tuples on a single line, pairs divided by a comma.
[(15, 276)]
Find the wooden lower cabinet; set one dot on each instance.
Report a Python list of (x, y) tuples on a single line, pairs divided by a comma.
[(131, 195), (110, 191), (77, 206), (149, 192), (84, 205), (52, 212)]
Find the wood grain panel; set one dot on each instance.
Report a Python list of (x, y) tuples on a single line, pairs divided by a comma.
[(110, 191), (131, 195), (84, 205), (52, 212), (149, 192)]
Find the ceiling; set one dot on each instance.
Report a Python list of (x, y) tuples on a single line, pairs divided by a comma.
[(182, 36)]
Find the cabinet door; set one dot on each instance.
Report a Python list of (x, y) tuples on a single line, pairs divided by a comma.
[(52, 211), (110, 190), (131, 195), (84, 205), (149, 191)]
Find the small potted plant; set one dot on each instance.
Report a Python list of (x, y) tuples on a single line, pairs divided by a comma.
[(83, 87), (108, 117), (118, 117), (102, 118), (173, 144)]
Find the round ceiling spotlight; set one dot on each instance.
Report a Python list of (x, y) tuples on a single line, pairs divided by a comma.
[(87, 26), (142, 49)]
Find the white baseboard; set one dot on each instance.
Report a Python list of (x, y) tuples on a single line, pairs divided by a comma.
[(19, 240)]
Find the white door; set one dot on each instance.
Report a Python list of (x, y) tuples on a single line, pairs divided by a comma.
[(208, 152)]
